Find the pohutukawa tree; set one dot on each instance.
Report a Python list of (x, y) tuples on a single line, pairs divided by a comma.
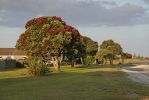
[(49, 37)]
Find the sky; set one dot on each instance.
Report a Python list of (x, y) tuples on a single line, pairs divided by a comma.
[(124, 21)]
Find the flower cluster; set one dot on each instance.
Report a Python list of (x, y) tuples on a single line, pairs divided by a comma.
[(56, 18), (35, 21), (35, 38)]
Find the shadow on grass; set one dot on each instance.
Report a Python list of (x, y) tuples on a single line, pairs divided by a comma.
[(10, 69)]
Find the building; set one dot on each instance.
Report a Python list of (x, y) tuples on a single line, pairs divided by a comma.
[(12, 53)]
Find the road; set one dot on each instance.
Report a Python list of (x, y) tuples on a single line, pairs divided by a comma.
[(138, 73)]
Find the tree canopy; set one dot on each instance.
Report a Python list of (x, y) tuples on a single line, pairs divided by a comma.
[(109, 50), (91, 46), (114, 47), (49, 36)]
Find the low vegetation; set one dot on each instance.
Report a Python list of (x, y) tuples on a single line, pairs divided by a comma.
[(35, 66)]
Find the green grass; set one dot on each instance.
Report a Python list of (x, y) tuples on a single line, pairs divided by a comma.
[(91, 83), (12, 73)]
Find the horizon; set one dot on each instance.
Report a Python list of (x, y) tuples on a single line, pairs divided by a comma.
[(126, 22)]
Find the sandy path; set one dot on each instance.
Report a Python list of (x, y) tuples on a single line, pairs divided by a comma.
[(138, 73)]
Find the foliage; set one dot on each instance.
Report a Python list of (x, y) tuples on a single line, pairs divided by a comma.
[(89, 49), (104, 54), (89, 60), (72, 53), (114, 47), (109, 50), (91, 46), (49, 37), (126, 55), (36, 67)]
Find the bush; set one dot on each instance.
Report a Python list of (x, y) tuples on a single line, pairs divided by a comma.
[(89, 60), (36, 66)]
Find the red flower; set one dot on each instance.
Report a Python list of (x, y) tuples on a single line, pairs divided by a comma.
[(57, 18)]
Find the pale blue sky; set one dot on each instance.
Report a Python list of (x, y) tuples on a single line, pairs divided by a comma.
[(125, 21)]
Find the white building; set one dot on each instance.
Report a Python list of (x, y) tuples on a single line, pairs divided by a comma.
[(11, 53)]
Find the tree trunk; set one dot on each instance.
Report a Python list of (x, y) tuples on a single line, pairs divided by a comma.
[(111, 61), (82, 62), (72, 63), (56, 63), (105, 61), (53, 62), (62, 58)]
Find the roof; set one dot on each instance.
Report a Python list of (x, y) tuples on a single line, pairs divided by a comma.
[(11, 51)]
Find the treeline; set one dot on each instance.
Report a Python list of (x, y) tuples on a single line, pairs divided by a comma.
[(108, 51), (50, 38)]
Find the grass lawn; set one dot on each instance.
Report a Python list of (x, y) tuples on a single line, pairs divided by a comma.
[(91, 83)]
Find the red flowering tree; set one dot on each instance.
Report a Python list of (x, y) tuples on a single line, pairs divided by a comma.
[(49, 37)]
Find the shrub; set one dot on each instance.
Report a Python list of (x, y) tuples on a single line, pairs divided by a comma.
[(89, 60), (36, 66)]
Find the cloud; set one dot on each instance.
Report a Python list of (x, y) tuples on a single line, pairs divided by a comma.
[(146, 1), (1, 19), (75, 12)]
